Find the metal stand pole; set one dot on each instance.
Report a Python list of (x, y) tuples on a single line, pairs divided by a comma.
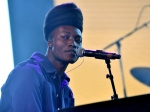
[(110, 76)]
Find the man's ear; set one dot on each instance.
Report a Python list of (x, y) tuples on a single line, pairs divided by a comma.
[(50, 43)]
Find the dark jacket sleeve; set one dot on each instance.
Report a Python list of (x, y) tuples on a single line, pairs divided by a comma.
[(68, 99)]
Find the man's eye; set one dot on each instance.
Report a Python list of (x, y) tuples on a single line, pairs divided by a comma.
[(78, 40), (65, 37)]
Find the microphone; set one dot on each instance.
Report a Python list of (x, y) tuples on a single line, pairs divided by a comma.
[(99, 54)]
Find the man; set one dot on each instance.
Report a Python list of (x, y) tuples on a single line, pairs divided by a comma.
[(39, 84)]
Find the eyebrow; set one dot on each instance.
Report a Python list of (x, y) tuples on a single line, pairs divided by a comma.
[(78, 36), (70, 33), (65, 32)]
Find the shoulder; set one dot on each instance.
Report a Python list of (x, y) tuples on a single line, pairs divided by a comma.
[(27, 69), (25, 73)]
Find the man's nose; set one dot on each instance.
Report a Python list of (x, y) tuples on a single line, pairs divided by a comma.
[(72, 42)]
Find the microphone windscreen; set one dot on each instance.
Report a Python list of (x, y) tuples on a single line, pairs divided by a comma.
[(80, 52)]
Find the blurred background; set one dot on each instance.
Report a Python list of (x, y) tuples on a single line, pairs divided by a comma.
[(120, 26)]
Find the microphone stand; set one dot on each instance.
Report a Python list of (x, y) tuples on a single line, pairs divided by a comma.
[(121, 69), (110, 76), (117, 42)]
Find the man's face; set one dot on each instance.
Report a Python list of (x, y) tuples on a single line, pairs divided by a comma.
[(66, 40)]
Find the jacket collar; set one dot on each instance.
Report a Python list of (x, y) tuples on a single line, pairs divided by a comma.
[(44, 62), (48, 66)]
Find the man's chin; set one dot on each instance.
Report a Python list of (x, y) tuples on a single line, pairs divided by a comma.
[(73, 61)]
